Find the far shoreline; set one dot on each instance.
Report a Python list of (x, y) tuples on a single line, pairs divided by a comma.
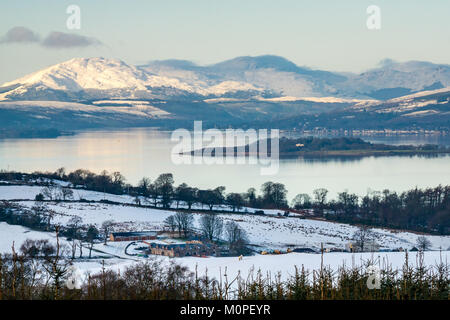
[(321, 147)]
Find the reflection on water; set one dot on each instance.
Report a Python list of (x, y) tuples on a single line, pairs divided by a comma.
[(443, 140), (360, 158), (146, 152), (392, 139)]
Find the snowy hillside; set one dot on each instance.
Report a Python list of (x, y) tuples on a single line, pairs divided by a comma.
[(109, 76), (113, 257), (412, 75), (269, 75), (93, 73), (265, 232), (284, 78), (421, 104), (268, 232)]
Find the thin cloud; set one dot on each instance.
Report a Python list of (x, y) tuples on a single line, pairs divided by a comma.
[(20, 35), (61, 40)]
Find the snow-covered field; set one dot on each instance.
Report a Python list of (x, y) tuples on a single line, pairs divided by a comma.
[(114, 258), (272, 265), (285, 264), (16, 192), (16, 235), (267, 232), (20, 192), (264, 232)]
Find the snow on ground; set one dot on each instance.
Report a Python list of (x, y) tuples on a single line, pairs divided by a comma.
[(29, 193), (281, 232), (20, 192), (286, 263), (265, 232), (10, 234), (114, 258), (276, 264), (126, 218)]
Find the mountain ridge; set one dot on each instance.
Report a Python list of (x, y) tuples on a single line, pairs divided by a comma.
[(245, 91), (268, 75)]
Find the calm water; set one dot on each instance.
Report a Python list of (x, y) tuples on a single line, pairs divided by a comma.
[(146, 152)]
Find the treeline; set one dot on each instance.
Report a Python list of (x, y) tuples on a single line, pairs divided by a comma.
[(343, 143), (39, 217), (39, 270), (212, 228), (425, 210)]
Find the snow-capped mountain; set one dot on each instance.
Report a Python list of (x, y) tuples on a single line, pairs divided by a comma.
[(393, 79), (242, 77), (81, 74), (97, 92), (275, 75), (420, 104), (282, 77), (109, 78)]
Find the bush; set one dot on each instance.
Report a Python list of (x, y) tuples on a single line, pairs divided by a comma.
[(39, 197)]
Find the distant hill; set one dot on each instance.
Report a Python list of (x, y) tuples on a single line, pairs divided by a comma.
[(325, 147), (244, 91)]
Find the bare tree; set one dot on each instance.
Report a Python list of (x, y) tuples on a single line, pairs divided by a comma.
[(118, 182), (236, 237), (91, 235), (33, 251), (164, 185), (80, 247), (137, 200), (320, 197), (61, 172), (106, 228), (185, 222), (171, 223), (423, 243), (66, 193), (211, 226), (301, 200), (73, 232), (57, 265), (363, 235), (43, 211), (235, 201), (50, 192), (144, 186)]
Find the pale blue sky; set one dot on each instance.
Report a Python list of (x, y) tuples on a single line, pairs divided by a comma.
[(326, 34)]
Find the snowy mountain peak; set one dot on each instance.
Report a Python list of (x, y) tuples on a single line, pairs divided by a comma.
[(243, 77), (86, 73), (103, 74)]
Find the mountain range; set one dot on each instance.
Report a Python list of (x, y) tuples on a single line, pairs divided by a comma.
[(97, 92)]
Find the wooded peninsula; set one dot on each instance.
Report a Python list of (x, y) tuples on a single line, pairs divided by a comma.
[(324, 147)]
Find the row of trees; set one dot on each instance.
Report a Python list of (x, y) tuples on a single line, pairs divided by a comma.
[(417, 209), (212, 229), (39, 217), (163, 192), (39, 271)]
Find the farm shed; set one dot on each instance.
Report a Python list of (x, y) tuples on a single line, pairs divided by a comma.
[(133, 236)]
